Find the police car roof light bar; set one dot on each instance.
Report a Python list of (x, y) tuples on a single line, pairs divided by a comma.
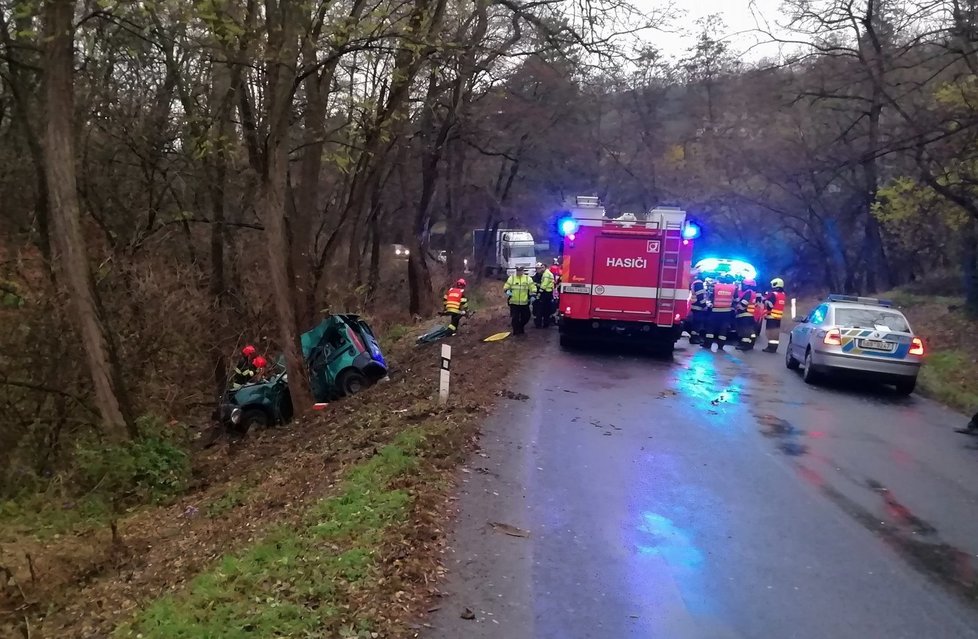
[(835, 297)]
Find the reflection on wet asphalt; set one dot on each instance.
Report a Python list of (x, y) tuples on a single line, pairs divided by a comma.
[(711, 497)]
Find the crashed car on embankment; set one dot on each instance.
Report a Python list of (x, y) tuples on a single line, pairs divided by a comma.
[(343, 358)]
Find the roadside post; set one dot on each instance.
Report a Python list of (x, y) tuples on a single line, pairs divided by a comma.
[(794, 308), (446, 365)]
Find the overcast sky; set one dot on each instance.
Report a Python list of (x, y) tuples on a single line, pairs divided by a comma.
[(740, 16)]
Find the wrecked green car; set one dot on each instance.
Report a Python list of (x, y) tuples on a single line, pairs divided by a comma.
[(343, 357)]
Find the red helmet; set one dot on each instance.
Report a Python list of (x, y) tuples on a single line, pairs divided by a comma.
[(259, 362), (749, 283), (461, 283), (248, 351)]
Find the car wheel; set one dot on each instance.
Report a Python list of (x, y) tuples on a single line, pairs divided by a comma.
[(906, 387), (809, 374), (790, 362), (251, 418), (352, 382)]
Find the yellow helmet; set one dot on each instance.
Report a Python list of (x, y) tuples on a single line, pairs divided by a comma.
[(777, 283)]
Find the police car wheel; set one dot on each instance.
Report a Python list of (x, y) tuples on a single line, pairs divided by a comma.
[(790, 362)]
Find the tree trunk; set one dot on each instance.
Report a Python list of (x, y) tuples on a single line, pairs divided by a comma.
[(69, 241), (282, 53), (969, 265)]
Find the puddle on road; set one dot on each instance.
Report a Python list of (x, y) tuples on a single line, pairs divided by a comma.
[(782, 430), (915, 540)]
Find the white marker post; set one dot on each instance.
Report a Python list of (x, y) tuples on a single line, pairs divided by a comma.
[(794, 308), (446, 365)]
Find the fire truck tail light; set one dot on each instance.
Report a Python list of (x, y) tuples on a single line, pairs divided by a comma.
[(567, 310), (677, 317), (833, 337)]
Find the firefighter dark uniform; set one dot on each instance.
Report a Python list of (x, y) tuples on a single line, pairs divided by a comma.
[(745, 309), (244, 370), (699, 312), (774, 303), (521, 291), (557, 272), (455, 305), (543, 307), (721, 312)]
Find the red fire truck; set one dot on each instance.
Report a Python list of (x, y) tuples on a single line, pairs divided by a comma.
[(624, 278)]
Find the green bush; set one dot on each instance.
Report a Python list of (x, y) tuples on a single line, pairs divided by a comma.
[(151, 468)]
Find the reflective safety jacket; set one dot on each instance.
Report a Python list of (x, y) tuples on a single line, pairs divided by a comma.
[(519, 289), (244, 372), (455, 300), (759, 309), (746, 303), (774, 302), (699, 295), (723, 297), (547, 282)]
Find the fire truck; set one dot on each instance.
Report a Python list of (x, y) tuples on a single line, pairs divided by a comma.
[(624, 278)]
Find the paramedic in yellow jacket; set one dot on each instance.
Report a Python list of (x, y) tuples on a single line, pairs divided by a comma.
[(521, 292)]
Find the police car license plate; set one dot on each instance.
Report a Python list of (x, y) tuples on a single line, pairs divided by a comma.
[(877, 345)]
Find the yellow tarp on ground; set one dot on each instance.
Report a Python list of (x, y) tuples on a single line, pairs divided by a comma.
[(497, 337)]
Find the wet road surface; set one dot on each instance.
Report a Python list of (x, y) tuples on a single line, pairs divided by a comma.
[(717, 496)]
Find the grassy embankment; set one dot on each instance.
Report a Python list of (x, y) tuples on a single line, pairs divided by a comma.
[(331, 527), (950, 374)]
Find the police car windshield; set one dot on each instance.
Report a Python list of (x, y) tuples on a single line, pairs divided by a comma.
[(871, 318)]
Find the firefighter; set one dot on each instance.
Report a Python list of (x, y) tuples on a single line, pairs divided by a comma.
[(746, 307), (244, 370), (555, 270), (544, 304), (759, 312), (456, 304), (698, 309), (971, 428), (774, 303), (260, 364), (721, 312), (520, 291)]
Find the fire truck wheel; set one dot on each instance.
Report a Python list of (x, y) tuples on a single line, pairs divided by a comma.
[(566, 341), (663, 351)]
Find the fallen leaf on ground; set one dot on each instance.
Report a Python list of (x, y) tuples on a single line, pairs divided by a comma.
[(506, 529)]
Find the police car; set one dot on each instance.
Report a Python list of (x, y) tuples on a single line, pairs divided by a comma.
[(861, 336)]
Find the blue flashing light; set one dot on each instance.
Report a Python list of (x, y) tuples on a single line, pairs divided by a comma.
[(691, 231), (737, 268), (567, 226)]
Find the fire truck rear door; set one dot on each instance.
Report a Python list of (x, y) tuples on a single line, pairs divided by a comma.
[(625, 280)]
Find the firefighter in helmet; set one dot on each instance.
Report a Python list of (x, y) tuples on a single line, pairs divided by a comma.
[(698, 310), (746, 307), (456, 304), (244, 370), (721, 311), (774, 303)]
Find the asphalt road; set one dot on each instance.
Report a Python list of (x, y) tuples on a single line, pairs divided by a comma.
[(713, 497)]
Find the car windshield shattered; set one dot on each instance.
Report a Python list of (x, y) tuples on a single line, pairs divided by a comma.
[(871, 318)]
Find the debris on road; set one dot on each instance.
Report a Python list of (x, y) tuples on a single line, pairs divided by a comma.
[(508, 394), (506, 529), (468, 614)]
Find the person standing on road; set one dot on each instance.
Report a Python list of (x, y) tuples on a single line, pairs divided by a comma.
[(746, 305), (698, 309), (774, 302), (721, 312), (544, 305), (520, 291), (456, 304), (759, 312)]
